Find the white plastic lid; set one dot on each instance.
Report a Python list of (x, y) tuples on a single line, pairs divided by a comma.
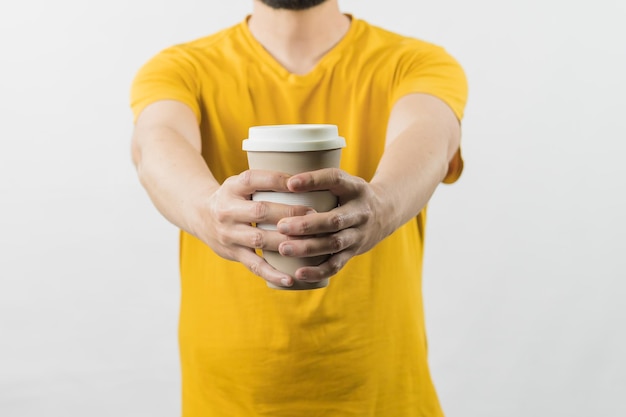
[(293, 138)]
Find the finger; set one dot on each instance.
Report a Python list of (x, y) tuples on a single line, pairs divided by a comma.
[(252, 237), (335, 180), (325, 270), (250, 181), (320, 245), (259, 212), (265, 212), (258, 266), (340, 218)]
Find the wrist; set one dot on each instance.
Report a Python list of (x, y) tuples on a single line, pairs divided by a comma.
[(385, 207), (197, 208)]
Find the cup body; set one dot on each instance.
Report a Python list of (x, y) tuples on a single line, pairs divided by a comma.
[(294, 149), (294, 162), (320, 201)]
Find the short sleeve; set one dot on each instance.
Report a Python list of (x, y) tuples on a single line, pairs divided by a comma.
[(170, 75), (429, 69)]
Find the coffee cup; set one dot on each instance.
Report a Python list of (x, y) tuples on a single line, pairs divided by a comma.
[(294, 149)]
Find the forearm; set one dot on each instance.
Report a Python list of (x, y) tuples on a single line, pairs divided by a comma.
[(173, 173), (416, 158), (407, 176)]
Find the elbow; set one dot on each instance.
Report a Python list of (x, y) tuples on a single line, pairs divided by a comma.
[(453, 164), (136, 155), (135, 152)]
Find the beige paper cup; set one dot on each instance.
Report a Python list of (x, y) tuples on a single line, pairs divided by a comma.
[(294, 149)]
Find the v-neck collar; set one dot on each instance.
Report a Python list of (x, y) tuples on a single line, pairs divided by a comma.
[(266, 59)]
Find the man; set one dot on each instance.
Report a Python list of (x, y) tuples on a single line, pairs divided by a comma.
[(358, 346)]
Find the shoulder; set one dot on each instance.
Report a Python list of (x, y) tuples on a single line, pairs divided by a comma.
[(404, 65), (397, 55), (214, 46), (389, 40)]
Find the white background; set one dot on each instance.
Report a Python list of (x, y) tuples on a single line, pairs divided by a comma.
[(524, 279)]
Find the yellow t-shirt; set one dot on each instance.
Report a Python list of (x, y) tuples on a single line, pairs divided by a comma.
[(358, 347)]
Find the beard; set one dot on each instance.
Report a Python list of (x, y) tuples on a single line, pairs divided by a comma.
[(292, 4)]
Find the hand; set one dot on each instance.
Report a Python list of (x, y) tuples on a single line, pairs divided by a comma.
[(224, 221), (354, 227)]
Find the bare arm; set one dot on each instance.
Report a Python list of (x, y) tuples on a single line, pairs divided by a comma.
[(166, 148), (422, 136)]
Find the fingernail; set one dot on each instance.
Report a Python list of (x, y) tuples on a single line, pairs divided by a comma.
[(295, 182), (311, 211), (286, 250), (283, 227), (286, 282)]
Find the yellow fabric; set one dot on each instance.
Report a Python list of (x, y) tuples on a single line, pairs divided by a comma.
[(358, 347)]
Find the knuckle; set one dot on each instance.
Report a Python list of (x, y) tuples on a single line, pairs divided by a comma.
[(336, 176), (334, 265), (336, 243), (305, 228), (259, 210), (337, 221), (223, 237), (257, 241), (220, 215), (216, 210), (245, 177), (255, 268)]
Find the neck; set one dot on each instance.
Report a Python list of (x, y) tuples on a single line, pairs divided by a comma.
[(298, 39)]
